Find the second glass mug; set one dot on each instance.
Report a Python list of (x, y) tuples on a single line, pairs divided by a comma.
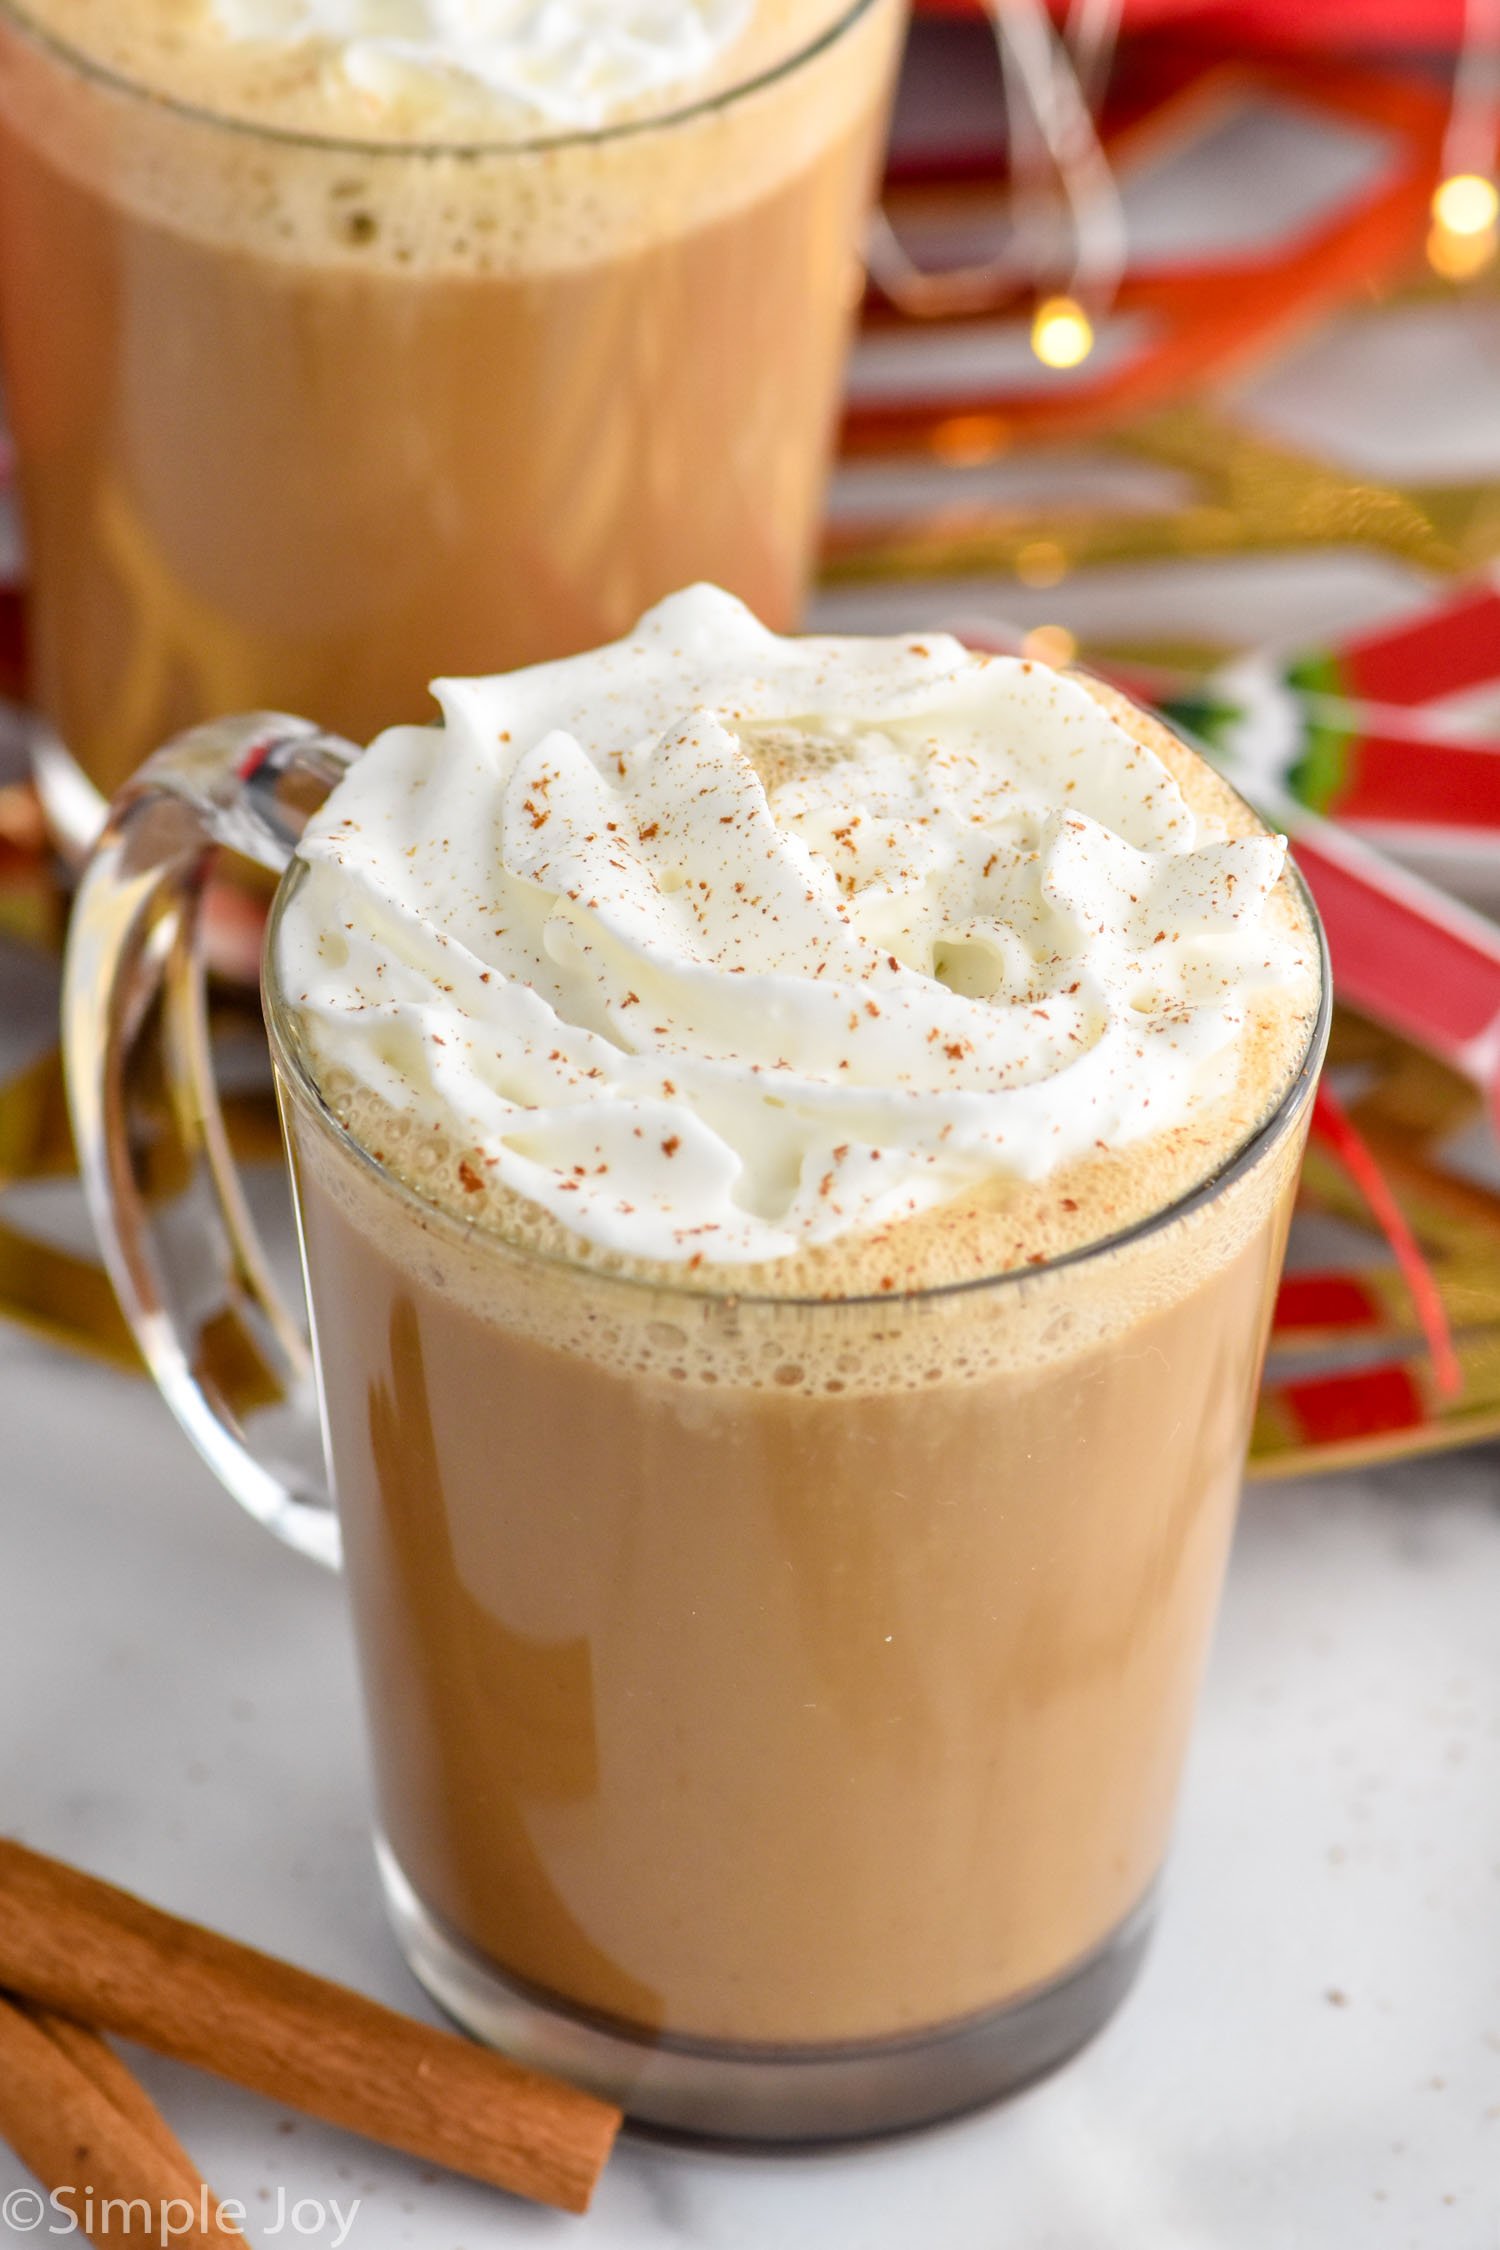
[(777, 1707), (310, 421)]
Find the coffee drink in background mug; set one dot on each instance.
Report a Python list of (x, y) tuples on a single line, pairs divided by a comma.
[(794, 1142), (336, 359)]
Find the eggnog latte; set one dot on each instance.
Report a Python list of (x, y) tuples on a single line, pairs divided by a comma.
[(815, 1124), (346, 343)]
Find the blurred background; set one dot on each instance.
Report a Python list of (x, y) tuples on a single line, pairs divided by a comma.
[(1181, 359)]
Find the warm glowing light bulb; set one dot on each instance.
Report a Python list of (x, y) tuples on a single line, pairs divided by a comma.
[(1062, 335), (1050, 644), (1466, 204)]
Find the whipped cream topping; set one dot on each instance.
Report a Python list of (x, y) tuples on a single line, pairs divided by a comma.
[(573, 63), (719, 946)]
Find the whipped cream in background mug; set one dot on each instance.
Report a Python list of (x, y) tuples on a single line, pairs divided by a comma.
[(719, 946), (573, 62)]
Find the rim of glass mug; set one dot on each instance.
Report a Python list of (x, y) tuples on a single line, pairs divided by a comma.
[(297, 1076), (90, 67)]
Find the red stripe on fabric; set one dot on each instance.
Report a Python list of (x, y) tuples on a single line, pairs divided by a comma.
[(1335, 1408), (1437, 986), (1325, 1300), (1440, 653), (1431, 784)]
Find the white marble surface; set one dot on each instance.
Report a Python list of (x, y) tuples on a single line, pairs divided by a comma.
[(1312, 2057)]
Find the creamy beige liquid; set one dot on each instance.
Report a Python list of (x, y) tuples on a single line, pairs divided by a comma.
[(303, 422), (795, 1671)]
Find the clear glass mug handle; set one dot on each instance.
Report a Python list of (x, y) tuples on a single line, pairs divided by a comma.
[(230, 1358)]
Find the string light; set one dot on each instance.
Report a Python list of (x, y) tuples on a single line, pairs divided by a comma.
[(1065, 225), (1062, 335), (1464, 234), (1466, 204)]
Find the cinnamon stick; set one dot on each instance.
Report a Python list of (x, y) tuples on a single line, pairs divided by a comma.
[(116, 2180), (117, 2082), (103, 1957)]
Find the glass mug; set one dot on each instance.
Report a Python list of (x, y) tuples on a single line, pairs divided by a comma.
[(309, 420), (777, 1706)]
